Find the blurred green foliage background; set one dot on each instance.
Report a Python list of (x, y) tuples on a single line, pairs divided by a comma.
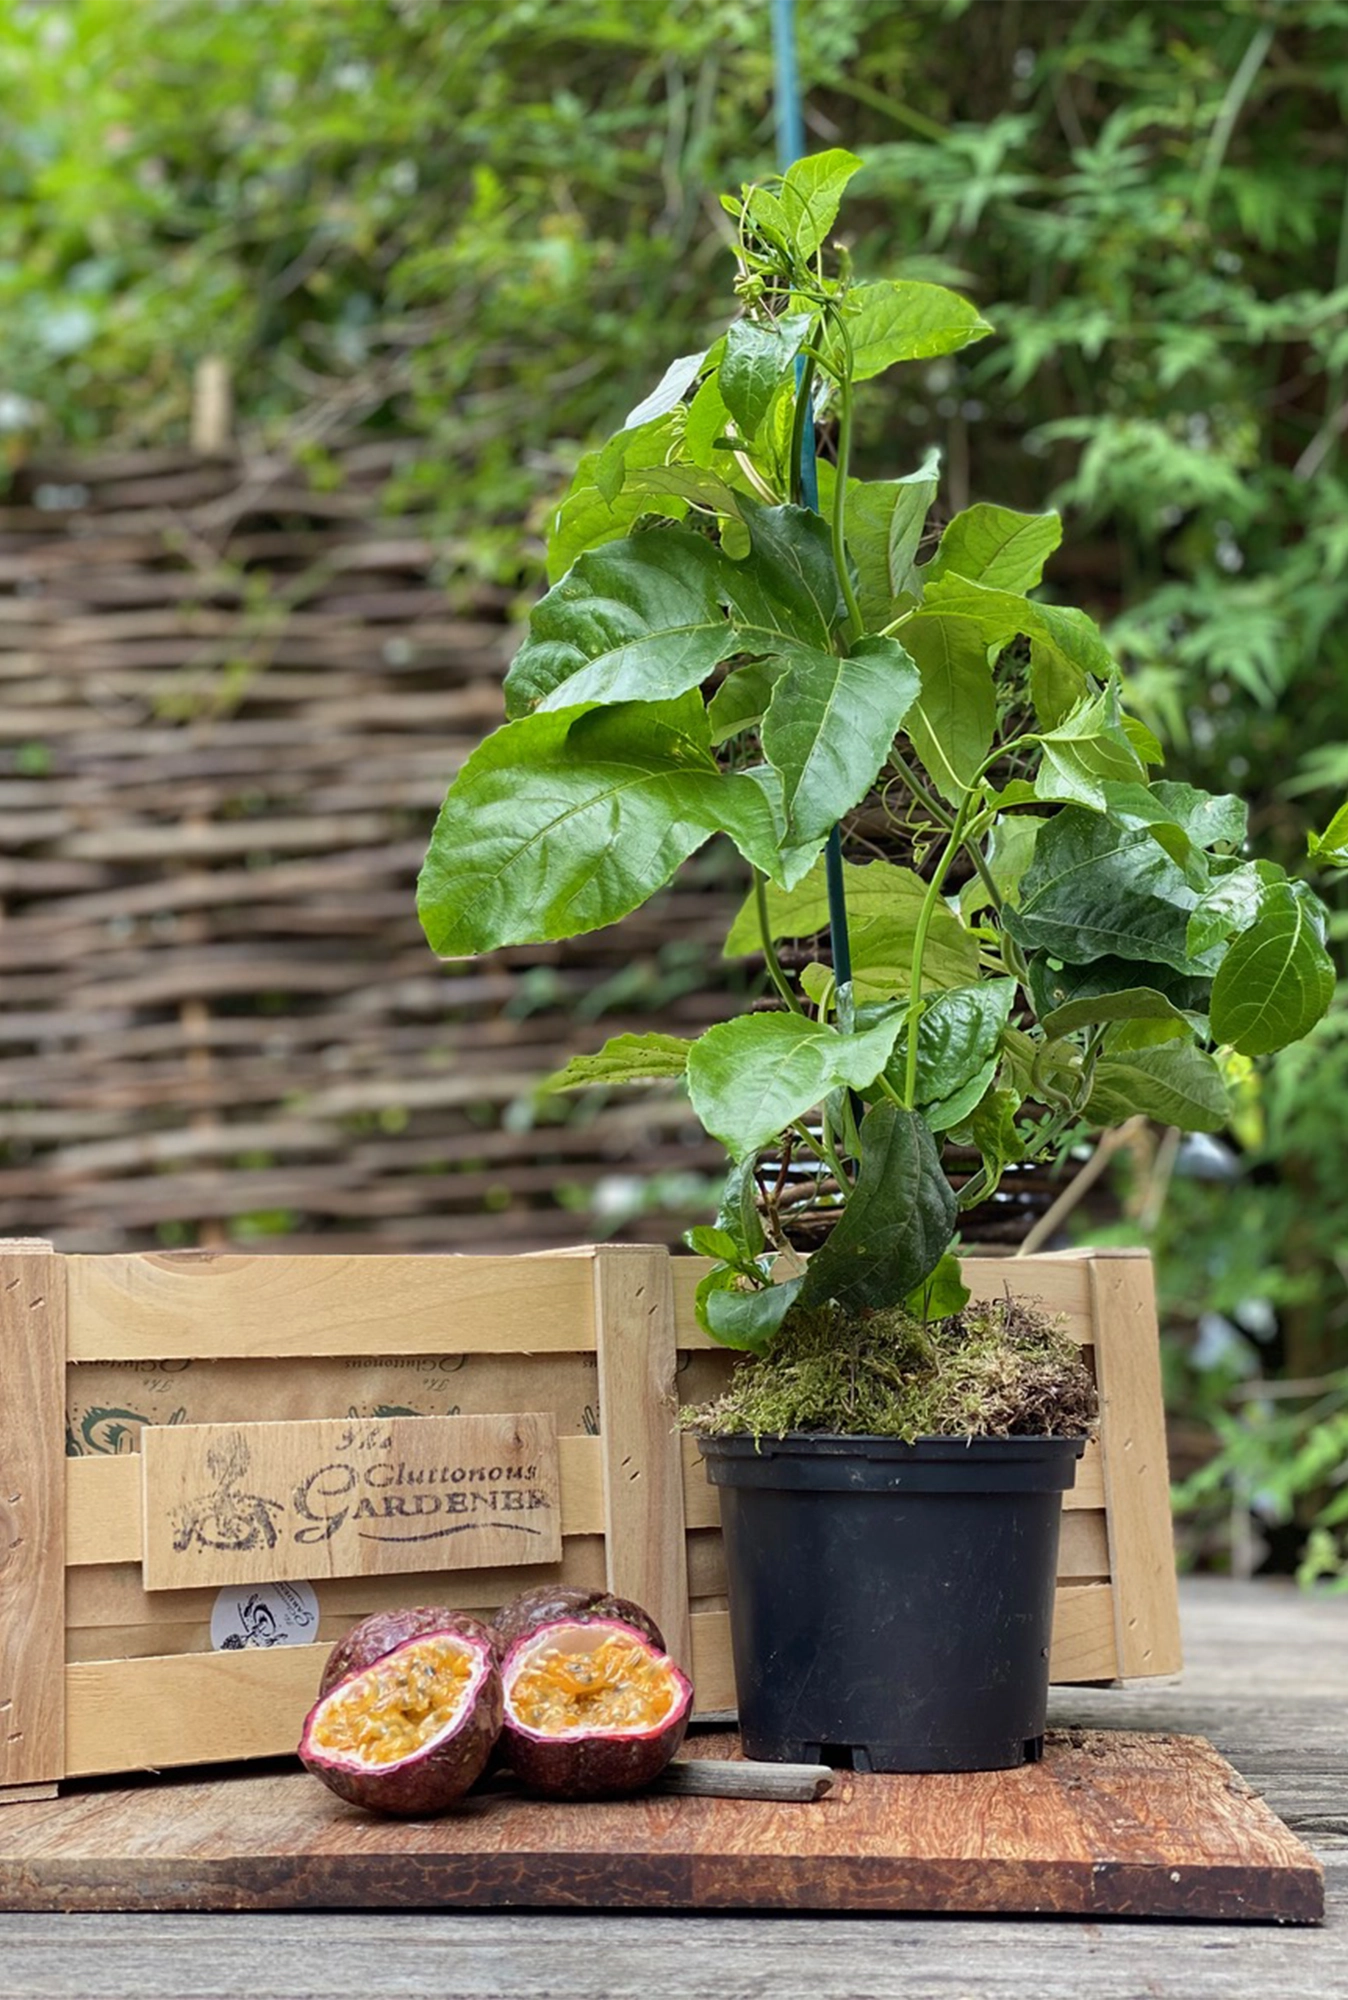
[(488, 226)]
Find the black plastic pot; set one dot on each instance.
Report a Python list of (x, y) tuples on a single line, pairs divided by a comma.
[(891, 1604)]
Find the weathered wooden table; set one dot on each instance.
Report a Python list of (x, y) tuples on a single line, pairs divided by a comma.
[(1267, 1681)]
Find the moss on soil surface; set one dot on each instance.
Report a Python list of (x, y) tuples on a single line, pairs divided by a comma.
[(1001, 1369)]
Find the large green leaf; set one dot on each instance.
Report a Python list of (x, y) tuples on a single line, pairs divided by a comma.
[(1175, 1084), (637, 620), (1130, 1003), (883, 902), (597, 509), (903, 319), (1087, 750), (625, 1059), (886, 519), (1211, 819), (1230, 905), (897, 1224), (951, 723), (1275, 981), (742, 699), (810, 193), (787, 587), (1095, 889), (562, 823), (1054, 987), (758, 355), (750, 1077), (996, 547), (830, 726)]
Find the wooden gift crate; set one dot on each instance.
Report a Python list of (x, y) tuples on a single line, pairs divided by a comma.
[(295, 1365)]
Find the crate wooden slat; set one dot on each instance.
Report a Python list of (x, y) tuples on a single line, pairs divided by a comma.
[(602, 1341)]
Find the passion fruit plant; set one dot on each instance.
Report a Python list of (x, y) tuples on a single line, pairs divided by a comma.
[(1078, 940)]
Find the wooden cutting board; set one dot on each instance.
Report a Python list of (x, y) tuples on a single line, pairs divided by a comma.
[(1110, 1824)]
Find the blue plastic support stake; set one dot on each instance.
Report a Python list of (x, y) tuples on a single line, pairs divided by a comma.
[(790, 146)]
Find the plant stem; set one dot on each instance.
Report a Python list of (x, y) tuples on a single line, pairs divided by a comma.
[(822, 1143), (856, 624), (931, 804), (774, 964), (925, 914)]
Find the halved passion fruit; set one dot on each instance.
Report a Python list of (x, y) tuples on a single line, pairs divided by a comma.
[(382, 1631), (591, 1708), (411, 1732)]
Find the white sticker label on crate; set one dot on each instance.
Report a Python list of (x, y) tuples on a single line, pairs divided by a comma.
[(264, 1614)]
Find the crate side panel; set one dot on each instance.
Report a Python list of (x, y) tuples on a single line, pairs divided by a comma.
[(1136, 1469), (638, 1435), (108, 1403), (32, 1515)]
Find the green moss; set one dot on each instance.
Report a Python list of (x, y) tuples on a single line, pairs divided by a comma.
[(1000, 1369)]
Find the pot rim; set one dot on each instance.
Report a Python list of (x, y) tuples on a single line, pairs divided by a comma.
[(830, 1444)]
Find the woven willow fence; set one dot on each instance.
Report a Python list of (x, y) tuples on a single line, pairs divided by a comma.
[(231, 704)]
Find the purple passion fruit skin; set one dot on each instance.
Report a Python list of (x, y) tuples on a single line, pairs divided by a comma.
[(384, 1631), (591, 1760), (555, 1604), (436, 1774)]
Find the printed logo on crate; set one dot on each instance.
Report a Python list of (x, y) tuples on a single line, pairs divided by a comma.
[(255, 1503)]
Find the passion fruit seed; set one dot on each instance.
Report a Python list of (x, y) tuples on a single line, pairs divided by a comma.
[(396, 1706), (621, 1686)]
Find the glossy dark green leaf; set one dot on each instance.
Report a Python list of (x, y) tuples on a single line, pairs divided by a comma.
[(1210, 819), (1095, 889), (1230, 905), (997, 547), (788, 586), (1275, 981), (957, 1040), (739, 1316), (1054, 986), (750, 1077), (896, 1226), (758, 355), (896, 320), (1175, 1084), (561, 823), (742, 699), (637, 620), (1130, 1003), (830, 726), (625, 1059)]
